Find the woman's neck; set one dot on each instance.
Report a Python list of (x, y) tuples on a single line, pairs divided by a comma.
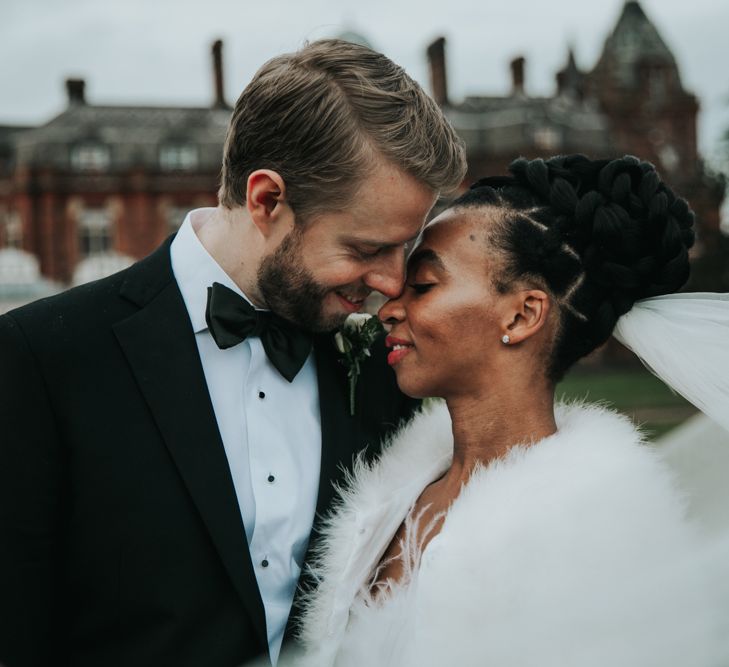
[(486, 426)]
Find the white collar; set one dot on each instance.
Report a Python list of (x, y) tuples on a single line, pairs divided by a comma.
[(195, 269)]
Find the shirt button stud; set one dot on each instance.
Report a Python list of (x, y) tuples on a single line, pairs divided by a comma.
[(264, 563), (271, 479), (261, 395)]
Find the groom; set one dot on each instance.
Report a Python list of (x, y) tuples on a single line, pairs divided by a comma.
[(169, 434)]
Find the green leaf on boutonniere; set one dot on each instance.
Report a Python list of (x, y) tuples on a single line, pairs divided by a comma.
[(354, 341)]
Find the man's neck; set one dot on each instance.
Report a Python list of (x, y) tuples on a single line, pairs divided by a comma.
[(231, 240)]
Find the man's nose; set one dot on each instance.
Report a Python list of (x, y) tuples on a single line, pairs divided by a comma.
[(388, 277)]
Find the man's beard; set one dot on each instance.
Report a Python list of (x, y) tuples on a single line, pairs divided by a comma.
[(290, 290)]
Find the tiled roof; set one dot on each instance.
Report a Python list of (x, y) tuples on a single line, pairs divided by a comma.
[(132, 134), (7, 132), (509, 124)]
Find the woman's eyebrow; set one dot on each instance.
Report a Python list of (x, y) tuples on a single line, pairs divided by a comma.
[(426, 256)]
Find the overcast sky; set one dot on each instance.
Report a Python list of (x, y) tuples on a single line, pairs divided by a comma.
[(158, 51)]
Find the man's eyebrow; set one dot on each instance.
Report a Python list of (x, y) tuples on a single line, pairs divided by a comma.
[(379, 244), (426, 256)]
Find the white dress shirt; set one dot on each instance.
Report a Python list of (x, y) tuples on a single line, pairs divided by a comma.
[(271, 431)]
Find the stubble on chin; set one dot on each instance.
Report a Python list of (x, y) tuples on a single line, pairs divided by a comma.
[(290, 290)]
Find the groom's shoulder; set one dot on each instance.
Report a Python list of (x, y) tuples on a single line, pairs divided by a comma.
[(59, 326), (83, 304), (79, 310)]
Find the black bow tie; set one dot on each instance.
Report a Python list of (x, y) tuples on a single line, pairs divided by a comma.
[(232, 319)]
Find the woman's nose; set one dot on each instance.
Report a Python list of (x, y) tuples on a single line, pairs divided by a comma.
[(392, 312)]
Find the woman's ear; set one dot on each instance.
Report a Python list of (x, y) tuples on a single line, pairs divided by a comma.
[(529, 313), (265, 199)]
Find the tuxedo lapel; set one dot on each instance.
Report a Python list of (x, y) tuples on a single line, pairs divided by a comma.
[(160, 347)]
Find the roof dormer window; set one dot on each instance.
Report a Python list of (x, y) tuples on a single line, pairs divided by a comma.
[(178, 157), (90, 157)]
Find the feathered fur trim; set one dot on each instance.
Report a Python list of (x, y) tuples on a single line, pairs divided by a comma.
[(570, 551)]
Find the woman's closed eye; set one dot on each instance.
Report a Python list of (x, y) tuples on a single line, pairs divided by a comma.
[(420, 288), (421, 280)]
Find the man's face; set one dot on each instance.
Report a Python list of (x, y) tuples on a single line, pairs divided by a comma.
[(324, 269)]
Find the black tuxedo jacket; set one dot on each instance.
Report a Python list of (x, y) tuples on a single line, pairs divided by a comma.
[(121, 542)]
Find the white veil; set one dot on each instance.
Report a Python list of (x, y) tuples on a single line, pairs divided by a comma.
[(684, 340)]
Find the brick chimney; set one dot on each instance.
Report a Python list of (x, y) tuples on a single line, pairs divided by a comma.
[(517, 75), (438, 81), (219, 100), (76, 91)]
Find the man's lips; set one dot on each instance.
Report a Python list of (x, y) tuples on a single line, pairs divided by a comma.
[(350, 303), (400, 349)]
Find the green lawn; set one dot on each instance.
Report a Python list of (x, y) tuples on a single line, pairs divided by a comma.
[(636, 392)]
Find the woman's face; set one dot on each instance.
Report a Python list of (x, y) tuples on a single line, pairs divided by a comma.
[(447, 324)]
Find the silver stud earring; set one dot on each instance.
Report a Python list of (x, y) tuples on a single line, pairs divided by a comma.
[(505, 339)]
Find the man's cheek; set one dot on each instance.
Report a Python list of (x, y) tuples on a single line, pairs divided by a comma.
[(341, 274)]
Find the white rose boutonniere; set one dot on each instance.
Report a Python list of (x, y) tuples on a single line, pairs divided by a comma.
[(354, 340)]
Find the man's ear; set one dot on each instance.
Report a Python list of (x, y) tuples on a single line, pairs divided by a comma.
[(529, 313), (265, 199)]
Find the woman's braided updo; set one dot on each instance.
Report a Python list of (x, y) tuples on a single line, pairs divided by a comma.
[(597, 234)]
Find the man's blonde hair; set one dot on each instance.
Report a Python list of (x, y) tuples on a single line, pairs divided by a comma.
[(322, 116)]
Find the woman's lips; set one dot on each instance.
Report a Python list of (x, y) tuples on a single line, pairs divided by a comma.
[(400, 349)]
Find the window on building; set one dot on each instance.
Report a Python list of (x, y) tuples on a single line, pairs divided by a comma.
[(547, 138), (13, 230), (178, 157), (629, 39), (95, 233), (90, 157), (669, 156)]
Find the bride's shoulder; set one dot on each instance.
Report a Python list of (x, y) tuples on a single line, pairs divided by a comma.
[(595, 478), (594, 446), (594, 440)]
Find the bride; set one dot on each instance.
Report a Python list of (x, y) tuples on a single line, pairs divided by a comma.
[(499, 528)]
